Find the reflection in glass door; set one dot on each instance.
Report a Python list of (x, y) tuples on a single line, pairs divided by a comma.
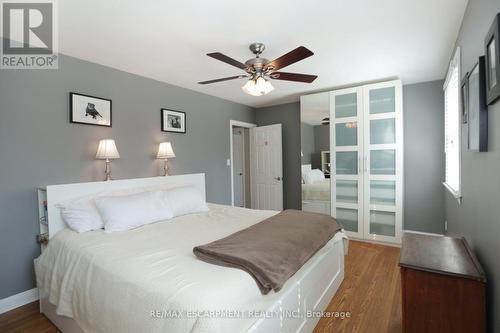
[(346, 138)]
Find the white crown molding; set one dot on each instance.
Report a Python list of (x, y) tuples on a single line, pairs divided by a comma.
[(15, 301)]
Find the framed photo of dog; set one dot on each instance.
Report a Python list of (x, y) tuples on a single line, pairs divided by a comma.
[(90, 110)]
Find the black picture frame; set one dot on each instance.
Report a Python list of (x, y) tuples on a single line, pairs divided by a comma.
[(465, 98), (477, 107), (180, 117), (492, 52), (76, 111)]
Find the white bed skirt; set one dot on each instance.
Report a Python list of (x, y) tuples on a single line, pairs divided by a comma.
[(297, 310)]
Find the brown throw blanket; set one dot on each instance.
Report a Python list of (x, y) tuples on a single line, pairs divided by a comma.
[(274, 249)]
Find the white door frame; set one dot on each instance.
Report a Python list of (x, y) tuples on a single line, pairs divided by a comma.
[(235, 123)]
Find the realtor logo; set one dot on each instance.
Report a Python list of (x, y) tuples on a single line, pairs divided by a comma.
[(29, 35)]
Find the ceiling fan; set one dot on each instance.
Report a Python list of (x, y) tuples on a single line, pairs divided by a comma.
[(260, 70)]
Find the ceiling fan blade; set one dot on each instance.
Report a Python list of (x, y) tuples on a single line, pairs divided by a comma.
[(291, 57), (224, 79), (228, 60), (293, 77)]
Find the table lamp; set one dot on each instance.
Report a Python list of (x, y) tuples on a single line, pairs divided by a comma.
[(165, 152), (107, 151)]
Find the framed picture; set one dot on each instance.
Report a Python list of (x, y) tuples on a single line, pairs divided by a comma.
[(90, 110), (465, 98), (477, 108), (492, 51), (173, 121)]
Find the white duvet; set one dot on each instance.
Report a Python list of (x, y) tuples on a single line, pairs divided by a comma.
[(148, 280), (319, 190)]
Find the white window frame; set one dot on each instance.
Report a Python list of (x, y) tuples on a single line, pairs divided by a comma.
[(454, 64)]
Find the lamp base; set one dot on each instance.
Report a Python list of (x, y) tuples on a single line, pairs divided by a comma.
[(108, 171), (165, 168)]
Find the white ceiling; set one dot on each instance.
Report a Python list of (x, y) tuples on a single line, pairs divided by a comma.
[(353, 40)]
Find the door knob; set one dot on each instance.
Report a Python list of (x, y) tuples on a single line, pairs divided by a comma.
[(241, 173), (277, 178)]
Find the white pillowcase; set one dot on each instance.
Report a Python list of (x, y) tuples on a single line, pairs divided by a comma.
[(313, 176), (127, 212), (185, 200), (81, 215)]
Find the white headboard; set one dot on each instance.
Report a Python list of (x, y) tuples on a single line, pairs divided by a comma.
[(58, 194), (306, 167)]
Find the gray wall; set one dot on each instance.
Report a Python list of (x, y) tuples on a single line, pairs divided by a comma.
[(321, 143), (478, 217), (288, 115), (424, 156), (38, 145), (306, 142), (321, 138)]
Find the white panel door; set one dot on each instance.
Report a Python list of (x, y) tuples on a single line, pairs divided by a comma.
[(346, 146), (266, 167), (383, 161)]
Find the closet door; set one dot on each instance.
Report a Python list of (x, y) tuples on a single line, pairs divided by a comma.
[(346, 140), (383, 161)]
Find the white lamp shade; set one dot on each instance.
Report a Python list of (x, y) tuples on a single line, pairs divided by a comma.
[(258, 87), (165, 150), (107, 150)]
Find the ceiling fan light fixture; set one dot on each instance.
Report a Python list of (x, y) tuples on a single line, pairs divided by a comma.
[(258, 87)]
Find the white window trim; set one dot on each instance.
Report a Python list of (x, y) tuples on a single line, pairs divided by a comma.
[(456, 62)]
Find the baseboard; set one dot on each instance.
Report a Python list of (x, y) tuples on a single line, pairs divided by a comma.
[(15, 301), (377, 242), (422, 233)]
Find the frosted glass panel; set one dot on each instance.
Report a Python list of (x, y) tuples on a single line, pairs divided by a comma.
[(383, 162), (347, 191), (348, 218), (382, 100), (383, 192), (382, 131), (346, 105), (347, 162), (382, 223), (346, 134)]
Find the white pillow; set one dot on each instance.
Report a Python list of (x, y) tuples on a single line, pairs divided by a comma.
[(81, 215), (185, 200), (313, 176), (127, 212)]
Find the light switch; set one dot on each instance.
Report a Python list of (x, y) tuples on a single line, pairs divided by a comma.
[(228, 162)]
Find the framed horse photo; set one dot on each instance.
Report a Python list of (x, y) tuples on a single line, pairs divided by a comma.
[(90, 110)]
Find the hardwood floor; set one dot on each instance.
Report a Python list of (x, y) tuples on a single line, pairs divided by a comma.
[(26, 319), (371, 292)]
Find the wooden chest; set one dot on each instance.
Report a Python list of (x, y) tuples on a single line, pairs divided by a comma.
[(443, 285)]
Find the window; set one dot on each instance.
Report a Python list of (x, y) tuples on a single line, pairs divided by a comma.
[(452, 126)]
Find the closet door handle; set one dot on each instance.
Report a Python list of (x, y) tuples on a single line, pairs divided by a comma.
[(365, 163), (359, 163)]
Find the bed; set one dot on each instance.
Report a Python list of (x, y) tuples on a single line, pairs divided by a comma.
[(316, 196), (148, 280)]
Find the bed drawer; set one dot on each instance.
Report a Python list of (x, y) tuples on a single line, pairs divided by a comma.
[(326, 272)]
